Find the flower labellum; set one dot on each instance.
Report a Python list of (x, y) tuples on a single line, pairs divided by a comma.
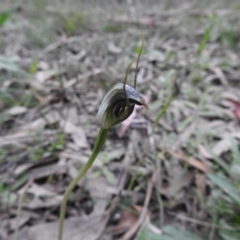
[(114, 109)]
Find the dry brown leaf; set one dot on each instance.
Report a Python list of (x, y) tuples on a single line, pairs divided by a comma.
[(42, 197), (186, 134), (22, 168), (222, 146), (49, 118), (77, 57), (76, 158), (147, 21), (76, 228), (203, 151), (218, 71), (201, 185), (144, 210), (42, 65), (39, 191), (86, 227), (16, 110), (77, 133), (191, 161), (139, 209), (42, 100), (13, 221), (127, 220), (42, 76), (14, 138), (154, 228), (98, 189), (43, 202), (235, 134), (236, 107), (177, 181), (45, 171), (21, 137), (112, 48)]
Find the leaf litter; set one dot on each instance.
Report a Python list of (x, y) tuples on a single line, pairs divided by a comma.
[(50, 92)]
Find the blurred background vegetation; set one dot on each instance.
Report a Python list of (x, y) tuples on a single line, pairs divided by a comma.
[(178, 179)]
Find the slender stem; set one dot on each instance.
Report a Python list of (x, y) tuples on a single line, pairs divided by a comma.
[(101, 138)]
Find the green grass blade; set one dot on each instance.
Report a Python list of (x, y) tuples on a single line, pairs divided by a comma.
[(4, 17), (180, 234), (206, 37), (226, 186), (164, 109), (229, 235)]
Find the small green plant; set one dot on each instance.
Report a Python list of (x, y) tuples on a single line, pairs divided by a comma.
[(50, 178), (36, 154), (117, 106), (1, 186), (138, 50), (226, 201), (113, 27), (169, 55), (4, 17), (73, 22), (206, 36), (59, 143), (33, 67)]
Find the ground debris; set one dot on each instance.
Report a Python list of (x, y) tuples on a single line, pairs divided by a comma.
[(54, 75)]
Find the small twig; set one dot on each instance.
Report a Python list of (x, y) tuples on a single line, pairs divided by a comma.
[(143, 214)]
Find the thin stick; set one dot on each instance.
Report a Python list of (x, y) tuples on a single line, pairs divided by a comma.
[(128, 235), (102, 135), (139, 54)]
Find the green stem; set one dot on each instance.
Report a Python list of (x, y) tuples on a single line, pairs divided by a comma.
[(101, 138)]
